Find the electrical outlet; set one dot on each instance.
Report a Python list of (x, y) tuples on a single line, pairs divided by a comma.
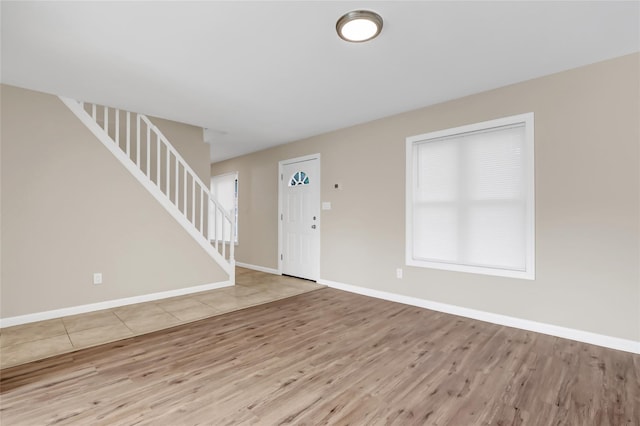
[(399, 273), (97, 278)]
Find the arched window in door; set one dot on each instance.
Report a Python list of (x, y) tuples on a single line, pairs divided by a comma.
[(299, 178)]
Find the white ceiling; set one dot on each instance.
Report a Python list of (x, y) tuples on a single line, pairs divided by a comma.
[(265, 73)]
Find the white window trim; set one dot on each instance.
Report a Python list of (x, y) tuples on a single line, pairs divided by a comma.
[(529, 272)]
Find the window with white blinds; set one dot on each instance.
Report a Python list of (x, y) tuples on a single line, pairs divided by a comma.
[(470, 198), (225, 189)]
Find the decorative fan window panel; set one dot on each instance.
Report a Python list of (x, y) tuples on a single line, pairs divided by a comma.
[(299, 178)]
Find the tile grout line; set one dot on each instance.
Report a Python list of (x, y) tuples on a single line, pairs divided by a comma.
[(166, 311), (239, 305), (123, 322)]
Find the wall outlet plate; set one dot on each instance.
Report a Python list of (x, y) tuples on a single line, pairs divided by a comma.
[(97, 278)]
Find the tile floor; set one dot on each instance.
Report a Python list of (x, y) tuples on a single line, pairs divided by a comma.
[(30, 342)]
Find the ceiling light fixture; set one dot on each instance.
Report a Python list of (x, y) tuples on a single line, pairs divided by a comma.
[(359, 25)]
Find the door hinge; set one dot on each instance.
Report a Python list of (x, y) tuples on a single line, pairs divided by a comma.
[(281, 216), (281, 177), (281, 258)]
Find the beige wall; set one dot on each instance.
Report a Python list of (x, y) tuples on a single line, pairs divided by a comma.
[(587, 134), (70, 209)]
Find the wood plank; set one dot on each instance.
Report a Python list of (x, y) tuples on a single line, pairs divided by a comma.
[(329, 357)]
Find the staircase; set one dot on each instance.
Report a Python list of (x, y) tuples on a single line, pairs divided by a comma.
[(149, 156)]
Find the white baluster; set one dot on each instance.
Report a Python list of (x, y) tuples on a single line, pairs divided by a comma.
[(138, 140), (106, 119), (93, 112), (158, 162), (215, 226), (184, 204), (193, 201), (148, 150), (118, 127), (168, 171), (201, 211), (223, 236), (212, 224), (177, 203), (232, 243), (128, 134)]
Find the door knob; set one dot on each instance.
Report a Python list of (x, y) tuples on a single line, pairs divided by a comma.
[(313, 227)]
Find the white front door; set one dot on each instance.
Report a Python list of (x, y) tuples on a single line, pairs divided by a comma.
[(300, 217)]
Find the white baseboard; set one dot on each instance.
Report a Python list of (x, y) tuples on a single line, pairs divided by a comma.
[(258, 268), (83, 309), (538, 327)]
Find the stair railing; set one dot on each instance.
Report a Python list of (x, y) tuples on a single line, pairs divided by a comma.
[(148, 154)]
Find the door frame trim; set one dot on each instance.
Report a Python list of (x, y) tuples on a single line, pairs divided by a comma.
[(280, 177)]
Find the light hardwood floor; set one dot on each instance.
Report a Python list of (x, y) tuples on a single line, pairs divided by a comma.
[(34, 341), (329, 357)]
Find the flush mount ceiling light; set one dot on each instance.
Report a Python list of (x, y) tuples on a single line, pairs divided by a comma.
[(359, 25)]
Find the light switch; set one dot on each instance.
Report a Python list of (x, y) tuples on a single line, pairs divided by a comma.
[(326, 205)]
